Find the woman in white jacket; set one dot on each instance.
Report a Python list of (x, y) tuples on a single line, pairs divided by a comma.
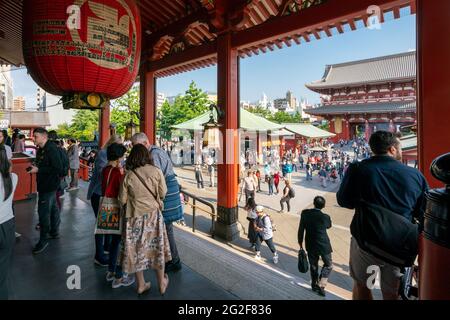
[(8, 183)]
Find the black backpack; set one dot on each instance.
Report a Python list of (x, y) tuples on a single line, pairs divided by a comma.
[(64, 161), (291, 193), (383, 233)]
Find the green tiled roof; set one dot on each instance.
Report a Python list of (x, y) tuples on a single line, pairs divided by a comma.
[(364, 108), (249, 121), (409, 142), (370, 71), (308, 130)]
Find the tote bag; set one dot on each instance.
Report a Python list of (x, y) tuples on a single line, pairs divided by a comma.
[(109, 215)]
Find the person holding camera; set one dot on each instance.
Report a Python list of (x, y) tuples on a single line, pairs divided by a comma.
[(48, 169)]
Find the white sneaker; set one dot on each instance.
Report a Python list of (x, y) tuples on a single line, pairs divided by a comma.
[(125, 281), (275, 258), (258, 255), (109, 276)]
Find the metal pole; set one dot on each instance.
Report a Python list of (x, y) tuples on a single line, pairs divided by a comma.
[(213, 221), (193, 215)]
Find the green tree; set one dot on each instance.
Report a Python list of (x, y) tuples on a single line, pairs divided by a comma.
[(260, 111), (84, 124), (194, 103), (124, 109), (325, 126), (284, 117)]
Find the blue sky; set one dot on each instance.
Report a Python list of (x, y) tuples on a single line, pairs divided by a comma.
[(288, 69)]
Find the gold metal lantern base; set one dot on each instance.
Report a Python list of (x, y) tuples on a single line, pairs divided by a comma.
[(89, 101)]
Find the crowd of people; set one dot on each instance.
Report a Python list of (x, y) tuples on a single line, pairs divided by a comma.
[(141, 182), (376, 174), (146, 185), (15, 143)]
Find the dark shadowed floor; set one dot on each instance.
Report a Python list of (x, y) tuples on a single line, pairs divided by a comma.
[(45, 276)]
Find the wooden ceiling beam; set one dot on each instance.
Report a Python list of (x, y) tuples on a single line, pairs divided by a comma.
[(296, 39), (271, 7), (207, 50), (178, 27), (352, 24), (315, 17)]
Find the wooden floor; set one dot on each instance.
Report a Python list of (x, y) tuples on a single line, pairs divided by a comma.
[(44, 276)]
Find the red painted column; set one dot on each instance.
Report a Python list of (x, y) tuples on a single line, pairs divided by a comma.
[(228, 169), (346, 129), (433, 108), (332, 124), (104, 125), (147, 112)]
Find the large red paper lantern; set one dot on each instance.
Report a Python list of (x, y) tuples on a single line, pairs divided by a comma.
[(87, 51)]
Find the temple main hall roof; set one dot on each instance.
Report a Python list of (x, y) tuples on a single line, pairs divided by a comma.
[(358, 108), (385, 69)]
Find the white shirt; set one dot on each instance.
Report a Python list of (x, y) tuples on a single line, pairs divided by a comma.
[(8, 152), (249, 183), (6, 212)]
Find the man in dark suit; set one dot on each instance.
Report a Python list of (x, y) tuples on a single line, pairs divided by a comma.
[(318, 245)]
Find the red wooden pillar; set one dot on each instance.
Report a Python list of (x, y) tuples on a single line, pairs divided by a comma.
[(332, 124), (147, 112), (346, 129), (228, 170), (104, 125), (433, 108)]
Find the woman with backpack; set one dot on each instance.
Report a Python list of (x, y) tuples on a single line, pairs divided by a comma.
[(264, 228), (251, 217)]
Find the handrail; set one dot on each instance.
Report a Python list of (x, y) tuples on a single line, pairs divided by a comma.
[(209, 204)]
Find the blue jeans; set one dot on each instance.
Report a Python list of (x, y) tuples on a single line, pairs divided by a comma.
[(269, 243), (49, 218), (113, 254), (270, 188)]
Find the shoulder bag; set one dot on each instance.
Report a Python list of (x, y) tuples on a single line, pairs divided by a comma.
[(109, 214)]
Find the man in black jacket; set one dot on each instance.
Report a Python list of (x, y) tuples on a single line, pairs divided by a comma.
[(384, 181), (48, 168), (318, 245)]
